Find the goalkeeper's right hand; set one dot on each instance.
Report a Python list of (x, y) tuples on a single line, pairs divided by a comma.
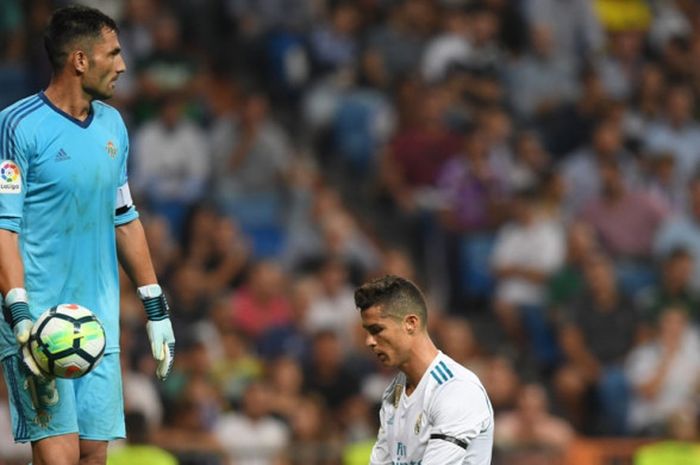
[(16, 311), (42, 387)]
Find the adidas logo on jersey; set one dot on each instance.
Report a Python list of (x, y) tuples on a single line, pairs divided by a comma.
[(62, 155)]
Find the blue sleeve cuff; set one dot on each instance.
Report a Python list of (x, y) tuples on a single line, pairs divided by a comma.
[(11, 224), (127, 217)]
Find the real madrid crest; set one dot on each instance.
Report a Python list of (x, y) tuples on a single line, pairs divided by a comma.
[(416, 428)]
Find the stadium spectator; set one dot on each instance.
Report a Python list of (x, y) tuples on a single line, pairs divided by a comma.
[(252, 158), (261, 302), (171, 155), (313, 441), (286, 379), (570, 127), (236, 367), (252, 436), (502, 382), (672, 290), (328, 374), (595, 338), (581, 169), (540, 80), (451, 46), (664, 373), (527, 252), (683, 231), (332, 308), (334, 42), (395, 46), (456, 338), (625, 220), (576, 29), (291, 339), (568, 281), (531, 426), (621, 68), (677, 133)]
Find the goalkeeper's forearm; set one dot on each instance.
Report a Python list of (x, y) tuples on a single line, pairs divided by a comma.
[(11, 266), (134, 255), (15, 309)]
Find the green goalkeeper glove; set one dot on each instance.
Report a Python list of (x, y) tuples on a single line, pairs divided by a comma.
[(16, 311), (159, 328)]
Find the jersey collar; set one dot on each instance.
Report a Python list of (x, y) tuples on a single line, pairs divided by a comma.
[(82, 124)]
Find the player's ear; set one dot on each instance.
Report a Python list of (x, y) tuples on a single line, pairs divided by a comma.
[(79, 61), (411, 323)]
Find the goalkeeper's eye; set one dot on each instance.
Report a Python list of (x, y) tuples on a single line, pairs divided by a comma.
[(374, 329)]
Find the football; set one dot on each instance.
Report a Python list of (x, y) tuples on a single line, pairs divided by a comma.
[(67, 341)]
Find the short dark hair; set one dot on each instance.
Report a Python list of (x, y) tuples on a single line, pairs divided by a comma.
[(70, 24), (397, 296)]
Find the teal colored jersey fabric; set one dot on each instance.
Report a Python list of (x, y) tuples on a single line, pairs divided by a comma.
[(59, 179)]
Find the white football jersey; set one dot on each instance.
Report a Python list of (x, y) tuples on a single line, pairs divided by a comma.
[(447, 419)]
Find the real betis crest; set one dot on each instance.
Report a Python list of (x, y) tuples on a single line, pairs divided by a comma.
[(111, 149)]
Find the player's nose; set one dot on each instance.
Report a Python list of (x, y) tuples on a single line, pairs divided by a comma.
[(370, 341), (121, 65)]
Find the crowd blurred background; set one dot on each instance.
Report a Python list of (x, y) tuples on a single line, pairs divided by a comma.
[(531, 164)]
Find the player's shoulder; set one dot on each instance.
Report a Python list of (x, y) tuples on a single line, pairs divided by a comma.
[(108, 117), (19, 104), (453, 384), (445, 371), (22, 112), (103, 109)]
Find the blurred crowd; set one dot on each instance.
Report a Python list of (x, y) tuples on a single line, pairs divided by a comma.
[(532, 164)]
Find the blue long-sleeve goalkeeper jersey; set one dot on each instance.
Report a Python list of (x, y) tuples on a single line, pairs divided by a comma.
[(60, 180)]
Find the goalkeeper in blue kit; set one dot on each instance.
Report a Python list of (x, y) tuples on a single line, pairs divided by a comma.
[(66, 222)]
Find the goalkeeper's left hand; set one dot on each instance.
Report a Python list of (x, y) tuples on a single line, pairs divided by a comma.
[(159, 328)]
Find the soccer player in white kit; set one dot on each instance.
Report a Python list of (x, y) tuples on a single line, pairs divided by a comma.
[(435, 412)]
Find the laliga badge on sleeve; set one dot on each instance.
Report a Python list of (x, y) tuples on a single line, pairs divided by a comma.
[(10, 178)]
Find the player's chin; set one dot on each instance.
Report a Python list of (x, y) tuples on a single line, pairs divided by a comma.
[(384, 359), (104, 92), (101, 95)]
